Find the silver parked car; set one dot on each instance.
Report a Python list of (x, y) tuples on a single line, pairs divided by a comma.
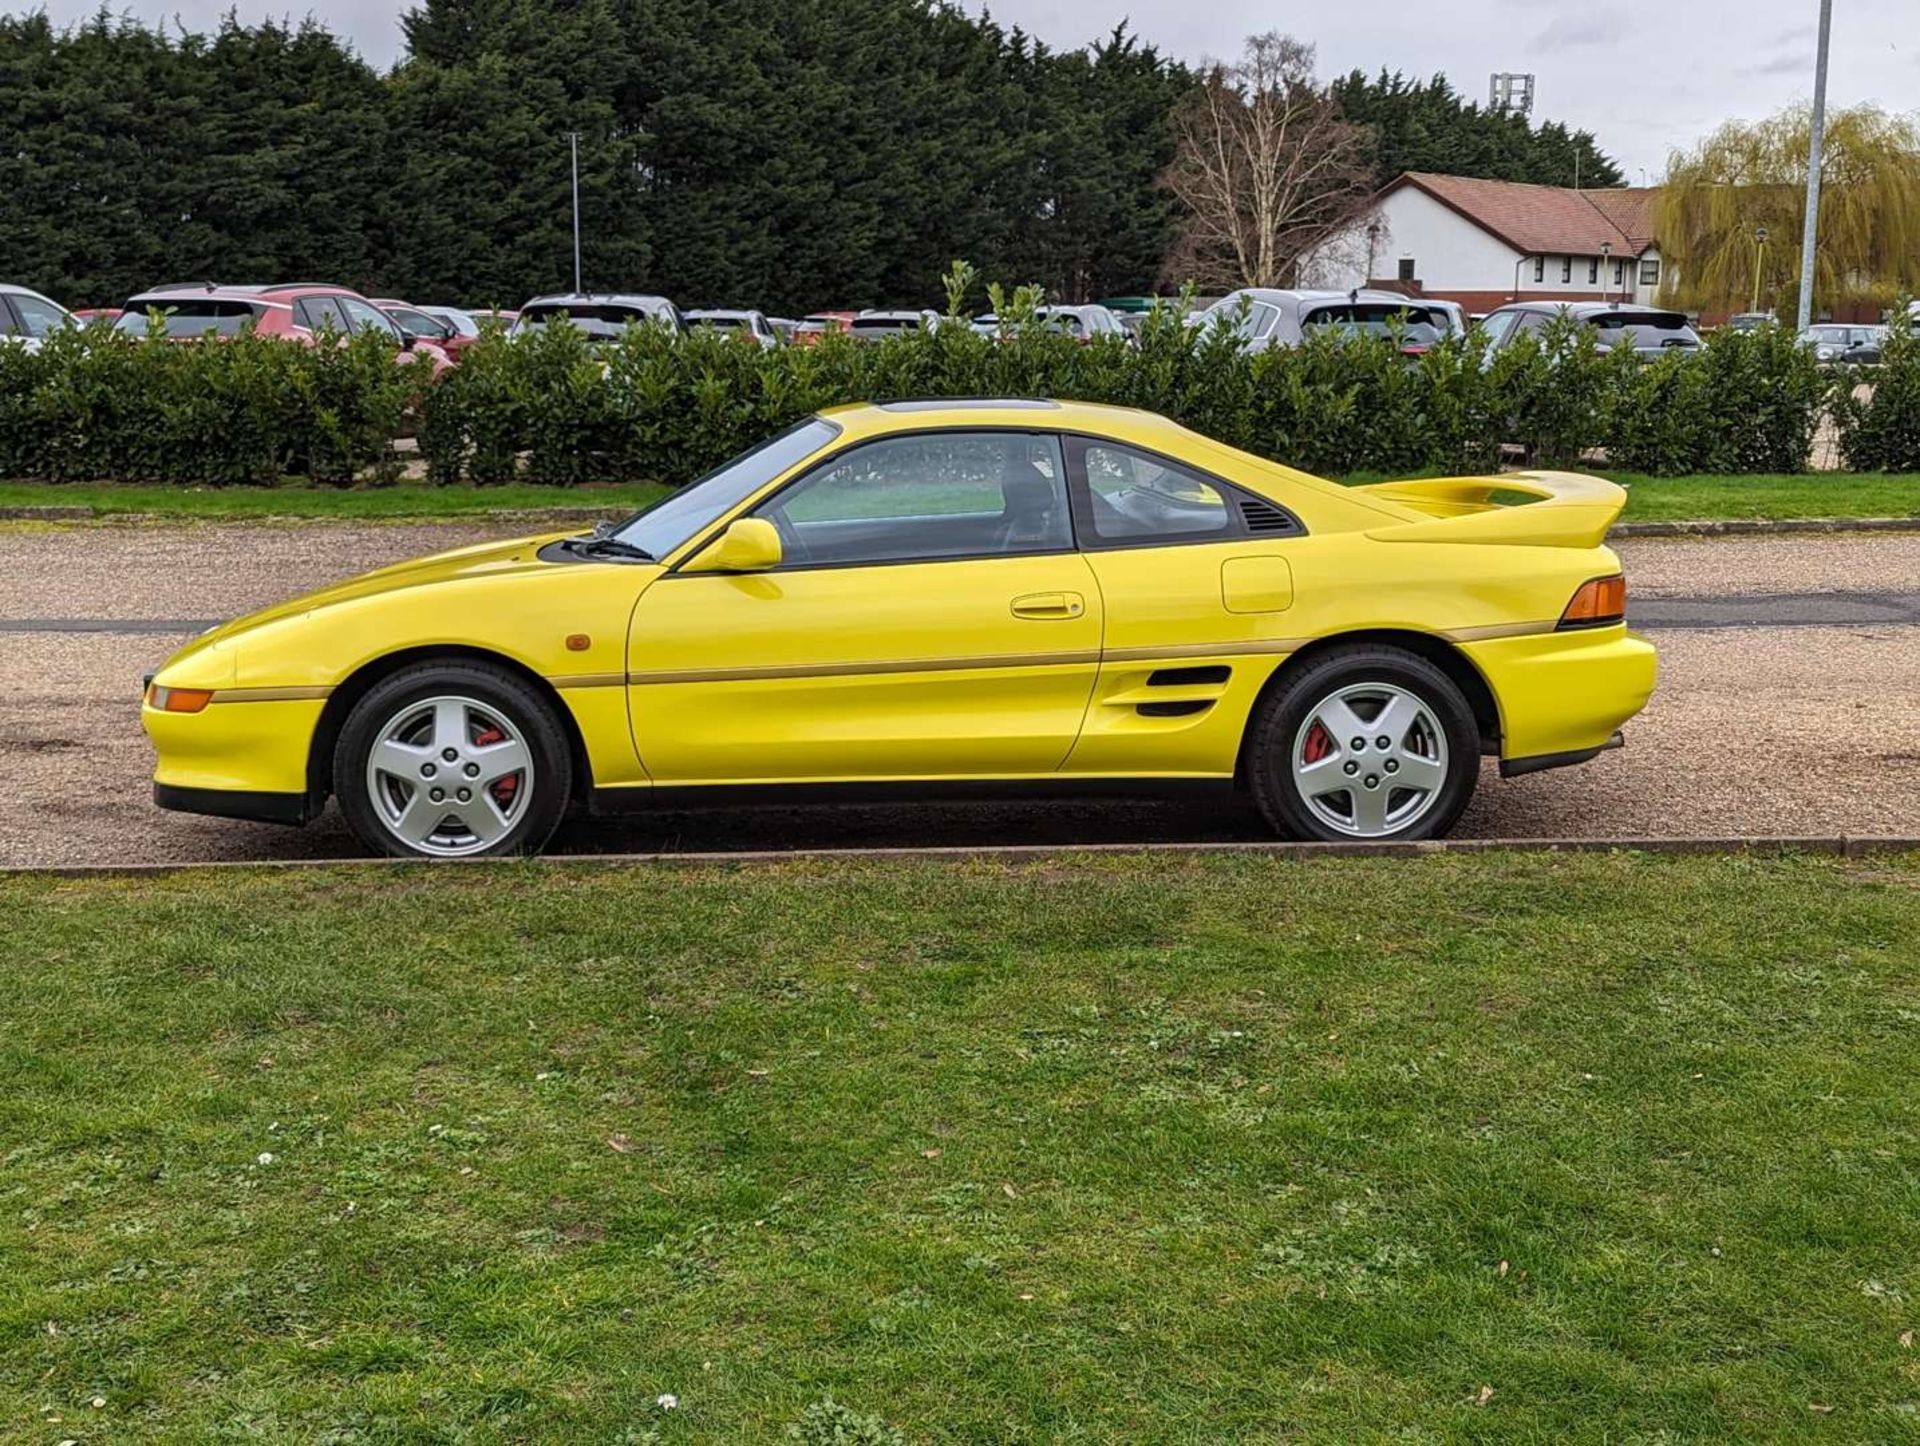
[(1266, 317), (602, 316), (1082, 323), (748, 323), (875, 325), (26, 317)]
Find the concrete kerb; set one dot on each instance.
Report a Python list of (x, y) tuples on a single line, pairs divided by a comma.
[(1847, 846)]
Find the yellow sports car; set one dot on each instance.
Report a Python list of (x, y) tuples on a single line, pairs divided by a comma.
[(978, 594)]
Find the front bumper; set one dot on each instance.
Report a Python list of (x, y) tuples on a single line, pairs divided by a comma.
[(248, 749), (293, 808)]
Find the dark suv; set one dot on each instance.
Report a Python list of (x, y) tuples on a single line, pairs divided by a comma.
[(1648, 330)]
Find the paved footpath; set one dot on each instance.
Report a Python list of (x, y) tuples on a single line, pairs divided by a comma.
[(1789, 704)]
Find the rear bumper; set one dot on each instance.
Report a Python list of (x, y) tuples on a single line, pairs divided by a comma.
[(294, 808), (1564, 693), (1540, 762)]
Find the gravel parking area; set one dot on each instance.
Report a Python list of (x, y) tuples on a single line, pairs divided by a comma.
[(1804, 730)]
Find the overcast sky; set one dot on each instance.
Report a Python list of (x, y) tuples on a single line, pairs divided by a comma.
[(1644, 77)]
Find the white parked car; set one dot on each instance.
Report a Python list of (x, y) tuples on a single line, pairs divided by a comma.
[(26, 317), (751, 323), (602, 316)]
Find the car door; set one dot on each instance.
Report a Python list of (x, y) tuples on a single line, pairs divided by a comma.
[(930, 618), (1197, 593)]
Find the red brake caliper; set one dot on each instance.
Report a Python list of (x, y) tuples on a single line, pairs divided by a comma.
[(503, 789), (1319, 744)]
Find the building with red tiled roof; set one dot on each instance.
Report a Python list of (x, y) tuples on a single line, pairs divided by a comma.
[(1485, 243)]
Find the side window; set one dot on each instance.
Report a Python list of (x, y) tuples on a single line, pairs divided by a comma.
[(8, 326), (928, 496), (1137, 497), (318, 312), (362, 317), (37, 317), (1499, 326)]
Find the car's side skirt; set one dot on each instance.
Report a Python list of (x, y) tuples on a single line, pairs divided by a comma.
[(605, 801)]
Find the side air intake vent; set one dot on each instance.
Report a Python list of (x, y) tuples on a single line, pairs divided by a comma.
[(1188, 677), (1263, 518)]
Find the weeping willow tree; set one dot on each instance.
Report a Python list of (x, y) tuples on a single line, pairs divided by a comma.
[(1752, 176)]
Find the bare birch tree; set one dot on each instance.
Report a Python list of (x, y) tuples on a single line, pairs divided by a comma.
[(1266, 168)]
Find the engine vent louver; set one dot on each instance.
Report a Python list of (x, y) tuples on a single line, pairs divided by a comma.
[(1263, 517)]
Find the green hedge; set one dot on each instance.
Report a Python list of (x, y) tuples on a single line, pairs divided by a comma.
[(97, 405), (553, 408)]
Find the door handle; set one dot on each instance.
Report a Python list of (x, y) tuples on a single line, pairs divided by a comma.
[(1044, 605)]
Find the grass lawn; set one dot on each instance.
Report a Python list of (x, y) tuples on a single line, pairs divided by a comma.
[(1818, 494), (407, 500), (1149, 1149), (1650, 499)]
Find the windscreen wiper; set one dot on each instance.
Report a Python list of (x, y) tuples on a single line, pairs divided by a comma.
[(602, 543)]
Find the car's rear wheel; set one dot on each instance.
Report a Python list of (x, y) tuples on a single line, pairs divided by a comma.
[(1364, 744), (452, 761)]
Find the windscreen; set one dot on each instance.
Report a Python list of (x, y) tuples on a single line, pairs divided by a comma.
[(189, 318), (659, 529), (598, 320), (1418, 326), (1645, 330)]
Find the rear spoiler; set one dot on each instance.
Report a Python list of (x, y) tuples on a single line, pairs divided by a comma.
[(1564, 509)]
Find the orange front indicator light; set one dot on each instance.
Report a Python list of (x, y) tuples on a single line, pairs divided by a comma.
[(1599, 603), (179, 700)]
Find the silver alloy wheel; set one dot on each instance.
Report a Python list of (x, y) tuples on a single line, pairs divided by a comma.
[(1370, 760), (449, 776)]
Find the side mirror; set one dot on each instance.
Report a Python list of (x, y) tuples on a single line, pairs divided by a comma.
[(750, 544)]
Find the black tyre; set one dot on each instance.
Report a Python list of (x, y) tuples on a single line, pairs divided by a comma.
[(452, 760), (1364, 744)]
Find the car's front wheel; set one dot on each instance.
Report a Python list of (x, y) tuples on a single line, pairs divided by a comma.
[(450, 760), (1364, 744)]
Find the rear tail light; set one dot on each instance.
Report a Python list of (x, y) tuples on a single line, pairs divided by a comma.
[(178, 700), (1598, 604)]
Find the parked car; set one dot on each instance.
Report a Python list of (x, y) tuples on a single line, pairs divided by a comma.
[(1834, 344), (876, 325), (817, 324), (1749, 321), (1647, 330), (602, 316), (504, 315), (435, 324), (298, 311), (783, 327), (921, 594), (1082, 323), (751, 324), (26, 317), (85, 314), (1265, 317)]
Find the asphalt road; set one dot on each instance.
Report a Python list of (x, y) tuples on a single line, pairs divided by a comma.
[(1789, 704)]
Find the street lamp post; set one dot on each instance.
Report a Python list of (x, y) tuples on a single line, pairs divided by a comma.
[(574, 138), (1759, 258), (1810, 227), (1606, 277)]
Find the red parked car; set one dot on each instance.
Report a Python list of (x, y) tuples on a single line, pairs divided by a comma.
[(447, 327), (298, 311)]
